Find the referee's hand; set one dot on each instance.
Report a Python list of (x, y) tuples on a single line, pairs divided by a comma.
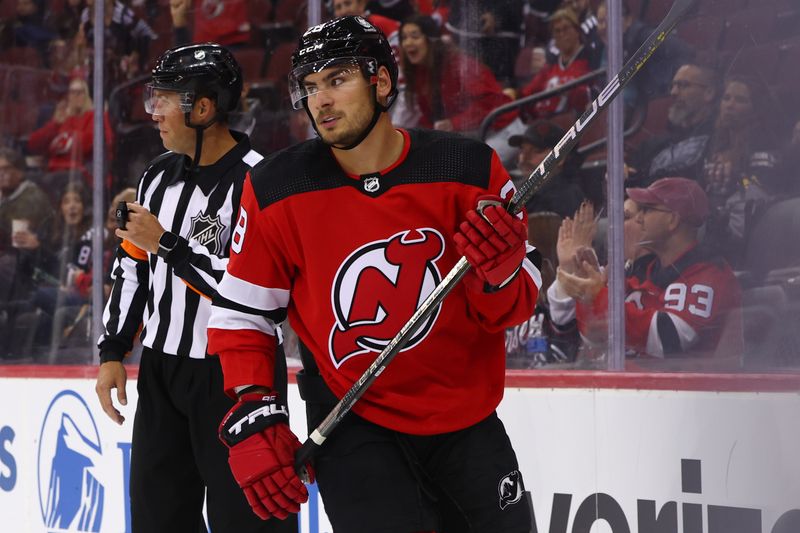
[(142, 228), (112, 375)]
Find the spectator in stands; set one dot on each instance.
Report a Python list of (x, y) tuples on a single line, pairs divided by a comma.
[(23, 201), (743, 126), (788, 183), (759, 186), (67, 138), (402, 115), (127, 41), (588, 25), (64, 279), (655, 77), (223, 22), (454, 92), (28, 28), (577, 233), (563, 193), (490, 31), (388, 26), (679, 297), (26, 220), (683, 149), (395, 9), (574, 60), (551, 335), (66, 22)]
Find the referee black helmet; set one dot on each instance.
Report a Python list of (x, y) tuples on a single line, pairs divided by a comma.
[(195, 71)]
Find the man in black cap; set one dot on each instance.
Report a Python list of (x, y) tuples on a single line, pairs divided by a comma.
[(563, 193)]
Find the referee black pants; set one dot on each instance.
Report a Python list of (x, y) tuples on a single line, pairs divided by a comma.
[(176, 456)]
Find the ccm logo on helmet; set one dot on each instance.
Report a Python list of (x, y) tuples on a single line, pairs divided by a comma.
[(310, 49)]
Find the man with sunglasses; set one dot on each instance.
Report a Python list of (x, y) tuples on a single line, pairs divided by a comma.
[(346, 235), (176, 242)]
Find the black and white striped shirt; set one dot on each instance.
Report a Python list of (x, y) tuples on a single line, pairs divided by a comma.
[(171, 299)]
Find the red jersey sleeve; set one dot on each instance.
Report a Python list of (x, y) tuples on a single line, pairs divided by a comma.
[(514, 303), (251, 299)]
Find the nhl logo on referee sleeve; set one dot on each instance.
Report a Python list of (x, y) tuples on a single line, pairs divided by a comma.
[(510, 489), (207, 231), (372, 182)]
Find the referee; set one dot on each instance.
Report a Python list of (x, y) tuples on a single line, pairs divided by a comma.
[(174, 251)]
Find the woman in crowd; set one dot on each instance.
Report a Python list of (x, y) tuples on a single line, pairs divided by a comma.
[(67, 138), (453, 91), (574, 60), (739, 131)]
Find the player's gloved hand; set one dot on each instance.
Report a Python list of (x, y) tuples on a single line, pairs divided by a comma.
[(493, 242), (261, 455)]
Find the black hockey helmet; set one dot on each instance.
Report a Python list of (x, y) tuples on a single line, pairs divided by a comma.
[(345, 39), (206, 69)]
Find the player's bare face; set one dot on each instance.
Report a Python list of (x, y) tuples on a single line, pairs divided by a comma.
[(414, 44), (172, 128), (339, 100)]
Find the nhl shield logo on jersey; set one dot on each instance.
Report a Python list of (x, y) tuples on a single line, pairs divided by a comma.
[(377, 289), (208, 232), (372, 183)]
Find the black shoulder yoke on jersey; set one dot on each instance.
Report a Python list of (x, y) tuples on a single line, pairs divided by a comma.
[(206, 177), (434, 157)]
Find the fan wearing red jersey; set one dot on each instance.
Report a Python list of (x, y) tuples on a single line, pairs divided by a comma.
[(681, 296), (346, 235)]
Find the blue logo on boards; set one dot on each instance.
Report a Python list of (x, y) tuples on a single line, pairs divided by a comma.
[(70, 494)]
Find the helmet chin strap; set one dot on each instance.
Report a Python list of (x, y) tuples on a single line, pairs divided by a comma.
[(198, 142), (377, 109)]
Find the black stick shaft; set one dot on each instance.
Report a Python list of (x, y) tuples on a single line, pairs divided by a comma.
[(526, 191)]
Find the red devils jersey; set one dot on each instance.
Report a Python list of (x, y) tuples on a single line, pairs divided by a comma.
[(349, 259), (556, 74), (221, 21), (677, 309)]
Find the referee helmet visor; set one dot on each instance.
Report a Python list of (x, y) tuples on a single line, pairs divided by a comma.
[(339, 74), (161, 101)]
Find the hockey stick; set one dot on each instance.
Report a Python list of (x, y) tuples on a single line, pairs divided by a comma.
[(534, 182)]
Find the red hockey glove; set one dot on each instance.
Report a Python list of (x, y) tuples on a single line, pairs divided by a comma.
[(261, 455), (493, 242)]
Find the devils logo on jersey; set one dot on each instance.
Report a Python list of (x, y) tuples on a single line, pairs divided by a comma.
[(377, 289)]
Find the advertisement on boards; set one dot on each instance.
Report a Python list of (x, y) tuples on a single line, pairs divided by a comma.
[(593, 460)]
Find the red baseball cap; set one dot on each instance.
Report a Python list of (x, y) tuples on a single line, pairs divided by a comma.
[(681, 195)]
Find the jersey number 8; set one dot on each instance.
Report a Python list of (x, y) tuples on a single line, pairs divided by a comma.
[(237, 239)]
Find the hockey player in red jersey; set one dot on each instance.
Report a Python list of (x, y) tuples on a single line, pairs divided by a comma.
[(681, 296), (346, 235)]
